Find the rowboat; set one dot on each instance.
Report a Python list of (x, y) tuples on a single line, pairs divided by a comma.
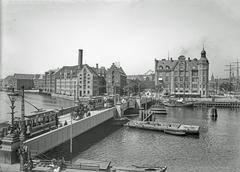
[(139, 169), (120, 121), (175, 132)]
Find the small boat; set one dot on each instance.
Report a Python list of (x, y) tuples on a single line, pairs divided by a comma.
[(175, 132), (120, 121), (175, 103), (139, 169)]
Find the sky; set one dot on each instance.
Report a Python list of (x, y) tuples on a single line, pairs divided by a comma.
[(38, 35)]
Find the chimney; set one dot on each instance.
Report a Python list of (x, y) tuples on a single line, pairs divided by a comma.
[(96, 65), (80, 58)]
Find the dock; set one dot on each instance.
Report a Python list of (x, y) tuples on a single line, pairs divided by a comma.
[(161, 126)]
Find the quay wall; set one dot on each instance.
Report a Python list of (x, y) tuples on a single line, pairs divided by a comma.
[(62, 96), (47, 141)]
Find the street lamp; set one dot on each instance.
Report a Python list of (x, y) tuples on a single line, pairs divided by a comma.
[(12, 97), (22, 134)]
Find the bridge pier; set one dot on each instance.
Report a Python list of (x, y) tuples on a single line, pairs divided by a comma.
[(119, 109), (138, 103), (8, 152)]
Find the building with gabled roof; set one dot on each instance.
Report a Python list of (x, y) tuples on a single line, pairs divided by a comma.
[(90, 82), (188, 77), (116, 80), (50, 81), (80, 80)]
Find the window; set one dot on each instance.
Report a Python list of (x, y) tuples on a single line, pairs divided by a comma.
[(186, 78), (194, 73), (88, 92), (175, 78), (194, 85), (181, 78), (166, 78), (194, 79), (167, 67)]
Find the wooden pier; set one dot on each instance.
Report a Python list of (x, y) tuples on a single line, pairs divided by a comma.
[(217, 104), (161, 126)]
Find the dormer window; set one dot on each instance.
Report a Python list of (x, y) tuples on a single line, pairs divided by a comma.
[(167, 67), (160, 67)]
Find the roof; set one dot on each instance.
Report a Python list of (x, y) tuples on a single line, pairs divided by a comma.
[(91, 69), (114, 67), (167, 63), (172, 64), (67, 69), (23, 76)]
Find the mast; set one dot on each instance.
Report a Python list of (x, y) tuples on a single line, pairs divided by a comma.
[(237, 62), (230, 75)]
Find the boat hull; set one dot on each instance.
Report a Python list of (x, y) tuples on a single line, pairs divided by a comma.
[(175, 132), (178, 104), (120, 121)]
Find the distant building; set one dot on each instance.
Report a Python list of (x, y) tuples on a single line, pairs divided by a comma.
[(116, 80), (66, 81), (18, 80), (148, 76), (80, 80), (213, 86), (90, 82), (50, 81), (183, 76), (8, 82), (38, 82)]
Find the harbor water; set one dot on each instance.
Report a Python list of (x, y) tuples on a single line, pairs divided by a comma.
[(216, 149)]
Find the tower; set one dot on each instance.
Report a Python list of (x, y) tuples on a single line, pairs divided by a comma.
[(203, 74)]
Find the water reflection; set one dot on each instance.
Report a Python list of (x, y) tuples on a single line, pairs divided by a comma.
[(40, 101)]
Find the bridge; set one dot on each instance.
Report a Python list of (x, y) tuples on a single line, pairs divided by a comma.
[(53, 138), (133, 103), (49, 140)]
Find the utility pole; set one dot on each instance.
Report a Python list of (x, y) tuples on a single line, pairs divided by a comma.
[(237, 68), (230, 69)]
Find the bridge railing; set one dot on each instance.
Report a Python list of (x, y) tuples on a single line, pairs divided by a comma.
[(47, 141)]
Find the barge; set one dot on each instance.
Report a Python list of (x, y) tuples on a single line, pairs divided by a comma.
[(163, 126)]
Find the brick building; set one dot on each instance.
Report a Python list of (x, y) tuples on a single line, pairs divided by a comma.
[(116, 80), (183, 76), (80, 80)]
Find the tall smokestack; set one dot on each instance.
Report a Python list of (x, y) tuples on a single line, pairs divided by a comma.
[(96, 65), (80, 58)]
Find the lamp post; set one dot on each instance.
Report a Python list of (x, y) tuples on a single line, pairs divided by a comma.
[(12, 97), (22, 134)]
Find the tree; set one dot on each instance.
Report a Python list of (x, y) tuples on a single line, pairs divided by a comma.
[(226, 86)]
